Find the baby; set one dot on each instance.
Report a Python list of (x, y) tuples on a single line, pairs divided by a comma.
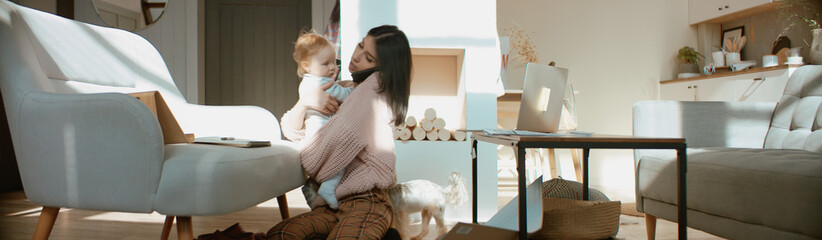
[(316, 64)]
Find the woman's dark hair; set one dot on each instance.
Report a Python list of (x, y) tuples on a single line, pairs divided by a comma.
[(394, 63)]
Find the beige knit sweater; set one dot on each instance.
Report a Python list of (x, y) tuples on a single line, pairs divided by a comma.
[(358, 139)]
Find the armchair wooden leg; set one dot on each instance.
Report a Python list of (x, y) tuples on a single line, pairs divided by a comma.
[(167, 227), (650, 226), (45, 223), (283, 204), (184, 228)]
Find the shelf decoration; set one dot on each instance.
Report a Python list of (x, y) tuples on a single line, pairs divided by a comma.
[(521, 41), (808, 13)]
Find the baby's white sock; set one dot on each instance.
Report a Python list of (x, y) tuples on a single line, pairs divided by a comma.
[(327, 188)]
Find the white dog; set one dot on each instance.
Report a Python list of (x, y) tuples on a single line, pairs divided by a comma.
[(428, 198)]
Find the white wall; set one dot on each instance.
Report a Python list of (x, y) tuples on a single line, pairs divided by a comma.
[(320, 13), (616, 52)]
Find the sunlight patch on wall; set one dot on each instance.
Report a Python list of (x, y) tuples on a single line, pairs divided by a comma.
[(456, 26)]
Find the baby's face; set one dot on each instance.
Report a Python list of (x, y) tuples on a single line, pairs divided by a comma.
[(323, 64)]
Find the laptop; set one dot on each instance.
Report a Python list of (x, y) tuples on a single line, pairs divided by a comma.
[(543, 92)]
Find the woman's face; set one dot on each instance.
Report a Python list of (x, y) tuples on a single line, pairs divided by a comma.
[(365, 55)]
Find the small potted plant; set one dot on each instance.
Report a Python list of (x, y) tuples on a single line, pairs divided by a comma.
[(688, 60)]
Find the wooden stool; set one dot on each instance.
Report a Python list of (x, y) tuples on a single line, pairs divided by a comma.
[(552, 161)]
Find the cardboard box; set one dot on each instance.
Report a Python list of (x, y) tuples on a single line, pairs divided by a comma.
[(467, 231), (505, 224), (172, 132)]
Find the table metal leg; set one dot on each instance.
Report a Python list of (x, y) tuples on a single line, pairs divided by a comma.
[(474, 180), (585, 152), (682, 206), (523, 230)]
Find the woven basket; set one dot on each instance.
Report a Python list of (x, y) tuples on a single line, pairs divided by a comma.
[(577, 219), (561, 188)]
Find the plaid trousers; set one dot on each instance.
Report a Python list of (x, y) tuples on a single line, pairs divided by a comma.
[(362, 216)]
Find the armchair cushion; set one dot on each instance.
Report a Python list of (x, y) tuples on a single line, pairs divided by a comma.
[(200, 179)]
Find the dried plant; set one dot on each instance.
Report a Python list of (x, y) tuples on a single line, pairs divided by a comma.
[(800, 12), (521, 41)]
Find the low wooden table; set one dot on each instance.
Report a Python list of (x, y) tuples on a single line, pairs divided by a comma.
[(521, 143)]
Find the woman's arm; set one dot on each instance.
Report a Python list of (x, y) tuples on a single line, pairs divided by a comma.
[(292, 121), (346, 134)]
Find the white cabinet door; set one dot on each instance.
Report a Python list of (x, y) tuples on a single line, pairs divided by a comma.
[(715, 90), (700, 90), (703, 10), (682, 91), (765, 87), (739, 5)]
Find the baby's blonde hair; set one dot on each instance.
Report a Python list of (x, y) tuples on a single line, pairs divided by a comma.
[(308, 45)]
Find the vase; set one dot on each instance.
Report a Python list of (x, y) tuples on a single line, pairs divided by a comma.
[(688, 68), (732, 58), (816, 47)]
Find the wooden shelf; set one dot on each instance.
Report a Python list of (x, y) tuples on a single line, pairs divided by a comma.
[(734, 73), (437, 82)]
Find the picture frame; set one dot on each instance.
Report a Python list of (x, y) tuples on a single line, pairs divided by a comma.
[(730, 33)]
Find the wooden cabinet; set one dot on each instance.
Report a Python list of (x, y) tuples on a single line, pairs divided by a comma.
[(762, 84), (717, 11)]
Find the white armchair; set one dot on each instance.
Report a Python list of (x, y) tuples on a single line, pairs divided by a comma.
[(82, 142)]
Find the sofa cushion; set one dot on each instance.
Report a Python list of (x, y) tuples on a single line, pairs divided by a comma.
[(777, 188), (202, 179), (797, 119)]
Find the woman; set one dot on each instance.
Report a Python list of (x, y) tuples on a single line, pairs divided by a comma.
[(357, 139)]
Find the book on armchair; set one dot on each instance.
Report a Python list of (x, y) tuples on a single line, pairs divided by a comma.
[(233, 142)]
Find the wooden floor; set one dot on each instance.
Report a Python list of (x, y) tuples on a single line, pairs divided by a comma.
[(18, 217)]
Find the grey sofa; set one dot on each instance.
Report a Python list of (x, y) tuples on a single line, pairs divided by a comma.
[(754, 168)]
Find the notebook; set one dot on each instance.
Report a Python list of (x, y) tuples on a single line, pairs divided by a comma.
[(543, 91), (234, 142)]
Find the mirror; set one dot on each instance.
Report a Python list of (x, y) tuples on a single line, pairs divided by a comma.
[(131, 15)]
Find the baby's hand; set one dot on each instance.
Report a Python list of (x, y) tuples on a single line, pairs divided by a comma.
[(347, 84), (319, 100)]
